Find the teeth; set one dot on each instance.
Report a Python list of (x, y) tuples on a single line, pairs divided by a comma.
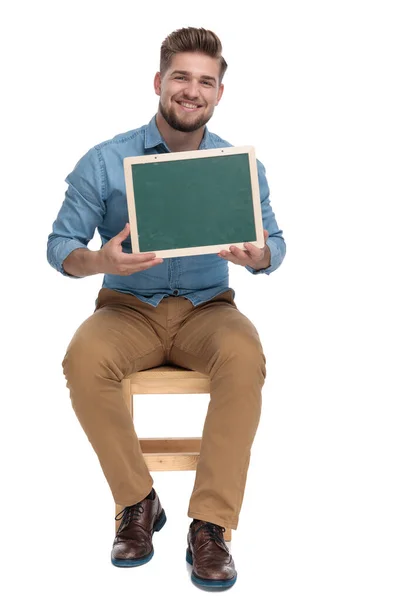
[(188, 105)]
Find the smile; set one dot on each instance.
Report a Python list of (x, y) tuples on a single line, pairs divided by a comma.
[(188, 107)]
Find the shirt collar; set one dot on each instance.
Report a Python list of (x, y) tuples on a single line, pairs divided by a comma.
[(153, 137)]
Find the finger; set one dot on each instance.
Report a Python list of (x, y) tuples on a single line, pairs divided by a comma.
[(138, 258), (151, 263), (239, 254), (122, 235), (230, 257), (142, 266), (254, 252)]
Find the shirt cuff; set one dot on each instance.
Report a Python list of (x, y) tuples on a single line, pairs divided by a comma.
[(60, 253)]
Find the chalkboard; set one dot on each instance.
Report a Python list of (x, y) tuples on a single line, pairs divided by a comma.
[(197, 202)]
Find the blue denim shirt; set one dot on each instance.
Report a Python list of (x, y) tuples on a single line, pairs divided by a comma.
[(96, 197)]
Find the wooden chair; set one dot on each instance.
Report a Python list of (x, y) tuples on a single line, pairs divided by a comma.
[(167, 454)]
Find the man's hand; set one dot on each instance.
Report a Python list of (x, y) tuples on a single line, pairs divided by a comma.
[(257, 258), (113, 261)]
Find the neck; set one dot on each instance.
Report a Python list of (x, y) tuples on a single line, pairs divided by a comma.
[(179, 141)]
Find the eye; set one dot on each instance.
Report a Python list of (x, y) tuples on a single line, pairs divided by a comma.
[(206, 83)]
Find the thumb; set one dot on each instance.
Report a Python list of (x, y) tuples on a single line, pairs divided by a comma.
[(122, 235)]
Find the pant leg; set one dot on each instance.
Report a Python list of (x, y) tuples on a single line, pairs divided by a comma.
[(217, 339), (112, 343)]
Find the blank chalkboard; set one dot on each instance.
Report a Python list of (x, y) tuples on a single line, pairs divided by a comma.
[(198, 202)]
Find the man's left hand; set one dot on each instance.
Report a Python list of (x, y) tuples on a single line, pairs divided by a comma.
[(257, 258)]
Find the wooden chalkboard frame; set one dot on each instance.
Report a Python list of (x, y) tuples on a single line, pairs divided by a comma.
[(195, 155)]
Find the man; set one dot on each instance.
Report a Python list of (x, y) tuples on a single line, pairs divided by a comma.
[(152, 311)]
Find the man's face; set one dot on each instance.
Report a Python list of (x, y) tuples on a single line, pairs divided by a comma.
[(189, 90)]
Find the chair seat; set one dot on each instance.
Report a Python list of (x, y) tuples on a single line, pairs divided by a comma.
[(168, 380)]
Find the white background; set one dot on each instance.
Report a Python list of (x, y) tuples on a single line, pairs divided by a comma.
[(314, 87)]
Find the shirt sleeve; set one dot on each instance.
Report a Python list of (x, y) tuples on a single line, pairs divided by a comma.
[(275, 241), (82, 211)]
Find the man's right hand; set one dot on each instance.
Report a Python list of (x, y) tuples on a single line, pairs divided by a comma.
[(113, 261)]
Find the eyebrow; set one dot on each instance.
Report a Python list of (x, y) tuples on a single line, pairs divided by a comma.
[(189, 73)]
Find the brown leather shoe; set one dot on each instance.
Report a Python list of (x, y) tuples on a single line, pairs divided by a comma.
[(133, 543), (213, 566)]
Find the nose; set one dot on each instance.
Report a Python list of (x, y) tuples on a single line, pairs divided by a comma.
[(192, 90)]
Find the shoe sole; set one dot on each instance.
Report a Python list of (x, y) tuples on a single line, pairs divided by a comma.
[(209, 583), (136, 562)]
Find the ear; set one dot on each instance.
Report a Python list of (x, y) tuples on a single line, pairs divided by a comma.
[(157, 83), (219, 95)]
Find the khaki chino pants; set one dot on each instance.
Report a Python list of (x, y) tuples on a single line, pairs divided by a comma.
[(125, 335)]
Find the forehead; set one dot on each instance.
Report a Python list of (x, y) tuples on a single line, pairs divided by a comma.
[(195, 63)]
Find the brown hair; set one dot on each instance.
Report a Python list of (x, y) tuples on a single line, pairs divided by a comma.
[(190, 39)]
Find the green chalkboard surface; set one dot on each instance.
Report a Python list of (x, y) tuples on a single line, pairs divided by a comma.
[(186, 203)]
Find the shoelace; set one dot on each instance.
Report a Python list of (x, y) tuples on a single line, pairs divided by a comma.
[(128, 514), (215, 533)]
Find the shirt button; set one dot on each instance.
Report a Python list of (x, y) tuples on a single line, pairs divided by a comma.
[(175, 292)]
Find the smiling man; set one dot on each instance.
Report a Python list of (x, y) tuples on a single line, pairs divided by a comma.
[(187, 97), (178, 311)]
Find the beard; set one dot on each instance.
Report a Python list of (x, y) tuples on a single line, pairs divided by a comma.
[(180, 125)]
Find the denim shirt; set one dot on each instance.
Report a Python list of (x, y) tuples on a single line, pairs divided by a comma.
[(96, 197)]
